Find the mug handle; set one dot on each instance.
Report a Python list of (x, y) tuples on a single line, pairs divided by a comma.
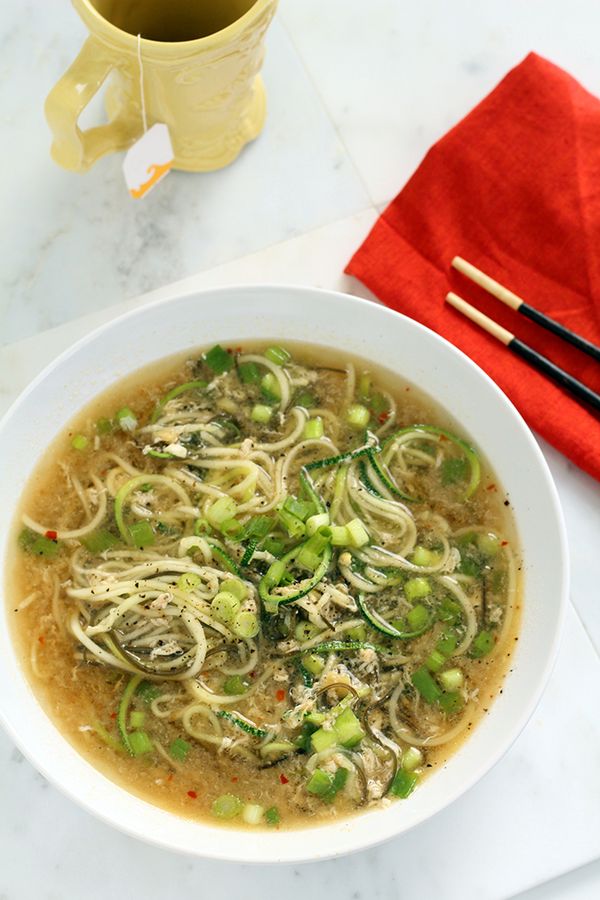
[(73, 148)]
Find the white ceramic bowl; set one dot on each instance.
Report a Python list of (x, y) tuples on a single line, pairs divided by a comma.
[(237, 314)]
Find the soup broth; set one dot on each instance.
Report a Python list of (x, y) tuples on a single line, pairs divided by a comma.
[(265, 585)]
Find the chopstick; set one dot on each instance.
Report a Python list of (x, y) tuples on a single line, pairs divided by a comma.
[(518, 304), (542, 363)]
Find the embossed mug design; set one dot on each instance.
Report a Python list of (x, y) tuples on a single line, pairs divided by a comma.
[(200, 64)]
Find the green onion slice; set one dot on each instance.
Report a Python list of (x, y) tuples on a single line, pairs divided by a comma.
[(383, 626), (468, 451), (176, 392), (128, 693)]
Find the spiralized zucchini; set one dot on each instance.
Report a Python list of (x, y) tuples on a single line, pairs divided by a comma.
[(283, 586)]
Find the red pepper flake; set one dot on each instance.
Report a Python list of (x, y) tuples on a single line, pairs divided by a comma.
[(169, 777), (42, 639), (51, 535), (238, 349), (192, 794), (280, 694), (442, 437), (234, 779), (504, 543), (491, 487), (283, 779), (383, 417)]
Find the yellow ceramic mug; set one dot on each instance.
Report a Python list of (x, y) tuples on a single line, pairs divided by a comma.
[(199, 62)]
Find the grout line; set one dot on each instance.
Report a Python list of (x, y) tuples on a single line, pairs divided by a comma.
[(328, 112), (583, 624), (557, 887)]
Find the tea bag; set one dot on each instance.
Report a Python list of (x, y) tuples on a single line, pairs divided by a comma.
[(151, 157)]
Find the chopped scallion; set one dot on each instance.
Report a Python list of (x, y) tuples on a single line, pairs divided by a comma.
[(340, 536), (482, 645), (294, 526), (270, 388), (245, 625), (411, 759), (141, 534), (426, 686), (421, 556), (272, 816), (278, 355), (357, 416), (234, 686), (248, 373), (451, 679), (188, 581), (451, 702), (313, 523), (98, 541), (147, 692), (226, 606), (359, 536), (218, 360), (305, 631), (104, 426), (417, 617), (403, 784), (305, 399), (415, 588), (435, 661), (236, 587), (227, 806), (313, 430), (140, 743), (126, 419), (313, 663), (179, 749), (261, 413), (222, 509), (454, 470), (252, 813)]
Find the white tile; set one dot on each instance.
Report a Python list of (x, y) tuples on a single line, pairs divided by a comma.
[(581, 884), (72, 243), (533, 817), (317, 258), (396, 75), (580, 498), (537, 807)]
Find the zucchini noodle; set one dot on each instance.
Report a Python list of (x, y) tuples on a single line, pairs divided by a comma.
[(265, 561)]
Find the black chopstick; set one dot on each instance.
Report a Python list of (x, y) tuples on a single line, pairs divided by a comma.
[(517, 303), (542, 363)]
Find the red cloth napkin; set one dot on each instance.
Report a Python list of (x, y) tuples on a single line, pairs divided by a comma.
[(515, 189)]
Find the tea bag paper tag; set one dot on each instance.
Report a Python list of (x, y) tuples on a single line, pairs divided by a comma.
[(148, 160)]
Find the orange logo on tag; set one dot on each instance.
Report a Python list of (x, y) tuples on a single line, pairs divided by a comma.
[(148, 160), (156, 172)]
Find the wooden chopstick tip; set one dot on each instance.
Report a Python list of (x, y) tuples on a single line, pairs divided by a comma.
[(475, 315)]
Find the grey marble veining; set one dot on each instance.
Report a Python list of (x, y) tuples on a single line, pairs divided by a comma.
[(517, 827), (357, 93), (73, 243)]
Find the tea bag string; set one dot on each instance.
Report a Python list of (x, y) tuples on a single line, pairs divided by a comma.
[(141, 69)]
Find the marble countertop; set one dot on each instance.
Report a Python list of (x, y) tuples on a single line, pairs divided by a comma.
[(348, 122)]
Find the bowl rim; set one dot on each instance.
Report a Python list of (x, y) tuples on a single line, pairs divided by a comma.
[(503, 744)]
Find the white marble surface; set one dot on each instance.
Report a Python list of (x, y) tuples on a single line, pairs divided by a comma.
[(357, 93)]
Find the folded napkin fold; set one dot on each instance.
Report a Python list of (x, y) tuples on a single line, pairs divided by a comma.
[(515, 189)]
